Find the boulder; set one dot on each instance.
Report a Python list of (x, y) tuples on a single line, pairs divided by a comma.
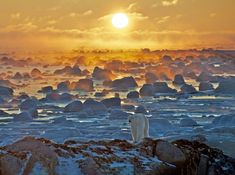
[(53, 97), (147, 90), (6, 91), (83, 85), (168, 152), (206, 86), (46, 89), (75, 106), (93, 105), (162, 87), (188, 122), (63, 86), (112, 102), (204, 77), (124, 83), (28, 104), (68, 70), (36, 72), (133, 94), (188, 89), (178, 80), (102, 74)]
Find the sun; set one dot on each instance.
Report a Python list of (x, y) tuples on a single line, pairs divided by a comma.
[(120, 20)]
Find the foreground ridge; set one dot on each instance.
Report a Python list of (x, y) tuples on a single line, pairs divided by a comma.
[(157, 157)]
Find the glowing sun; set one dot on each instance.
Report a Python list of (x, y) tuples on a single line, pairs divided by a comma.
[(120, 20)]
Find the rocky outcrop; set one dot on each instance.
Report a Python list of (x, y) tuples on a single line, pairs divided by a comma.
[(102, 74), (179, 80), (41, 156)]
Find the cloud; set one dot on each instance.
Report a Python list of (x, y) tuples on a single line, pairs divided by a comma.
[(163, 19), (86, 13), (131, 6), (15, 16), (169, 2), (23, 27)]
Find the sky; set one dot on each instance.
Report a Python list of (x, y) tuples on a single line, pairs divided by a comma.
[(28, 25)]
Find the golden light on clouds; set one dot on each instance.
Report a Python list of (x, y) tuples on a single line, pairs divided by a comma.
[(120, 20), (158, 24)]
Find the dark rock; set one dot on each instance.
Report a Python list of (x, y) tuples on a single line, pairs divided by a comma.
[(162, 87), (75, 106), (102, 74), (150, 78), (179, 80), (226, 87), (147, 90), (206, 86), (93, 105), (112, 102), (124, 83), (188, 89), (63, 86), (6, 91), (133, 94)]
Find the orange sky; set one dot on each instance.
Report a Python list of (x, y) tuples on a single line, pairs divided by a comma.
[(158, 24)]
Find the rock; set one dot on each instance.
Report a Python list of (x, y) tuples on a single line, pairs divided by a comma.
[(141, 110), (28, 104), (101, 94), (179, 80), (188, 89), (84, 85), (112, 102), (147, 90), (66, 97), (102, 74), (226, 87), (93, 105), (124, 83), (150, 78), (6, 91), (18, 76), (46, 89), (188, 122), (133, 94), (118, 114), (162, 87), (36, 72), (204, 77), (206, 86), (168, 152), (63, 86), (68, 70), (53, 97), (75, 106)]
